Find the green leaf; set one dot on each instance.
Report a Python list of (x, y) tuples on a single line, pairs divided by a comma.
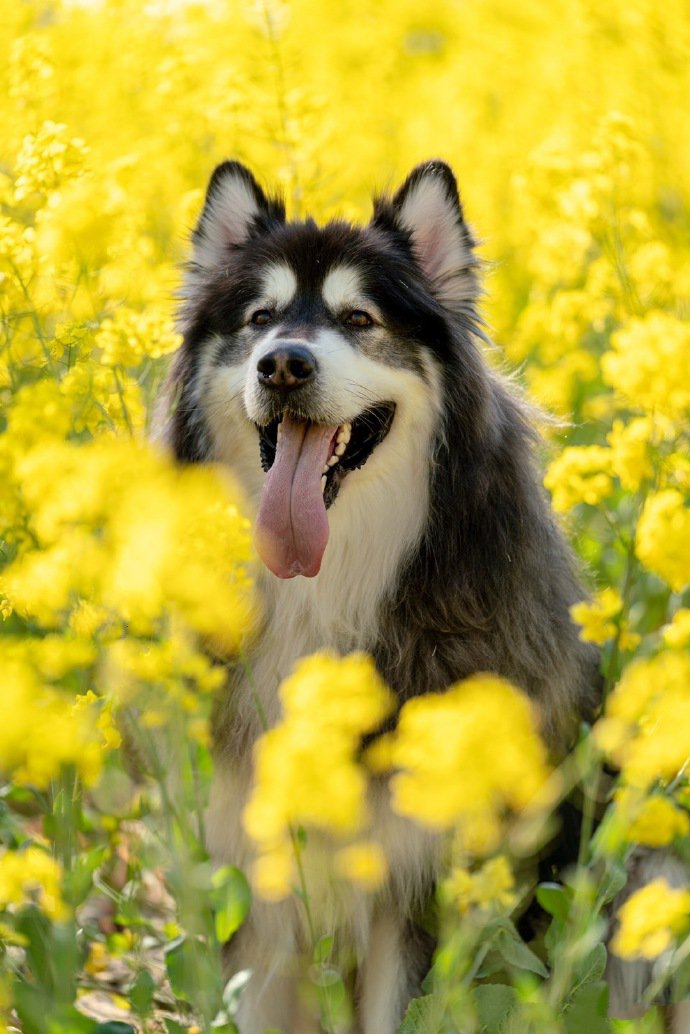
[(516, 952), (323, 948), (36, 928), (325, 976), (423, 1016), (141, 993), (614, 879), (232, 900), (592, 967), (587, 1011), (32, 1005), (554, 899), (178, 957), (79, 881), (495, 1002)]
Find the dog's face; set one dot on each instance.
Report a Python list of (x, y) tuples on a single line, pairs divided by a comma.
[(316, 349)]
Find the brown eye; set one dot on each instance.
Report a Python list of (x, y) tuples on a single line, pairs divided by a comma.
[(261, 317), (359, 318)]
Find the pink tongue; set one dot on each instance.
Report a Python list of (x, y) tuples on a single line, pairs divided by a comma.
[(292, 527)]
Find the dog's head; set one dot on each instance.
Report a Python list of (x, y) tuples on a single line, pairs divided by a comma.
[(310, 351)]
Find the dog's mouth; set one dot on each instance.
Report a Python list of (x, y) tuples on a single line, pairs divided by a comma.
[(305, 464)]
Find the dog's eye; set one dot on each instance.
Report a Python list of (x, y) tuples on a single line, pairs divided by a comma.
[(261, 317), (359, 318)]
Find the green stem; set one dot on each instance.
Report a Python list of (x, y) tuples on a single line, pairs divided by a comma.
[(123, 404)]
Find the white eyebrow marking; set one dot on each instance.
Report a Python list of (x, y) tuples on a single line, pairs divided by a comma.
[(279, 284), (342, 288)]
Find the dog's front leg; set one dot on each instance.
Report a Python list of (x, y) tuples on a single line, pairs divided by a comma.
[(398, 957)]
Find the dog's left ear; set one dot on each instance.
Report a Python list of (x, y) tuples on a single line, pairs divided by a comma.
[(427, 209)]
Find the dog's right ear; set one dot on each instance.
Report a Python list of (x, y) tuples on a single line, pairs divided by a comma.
[(235, 209)]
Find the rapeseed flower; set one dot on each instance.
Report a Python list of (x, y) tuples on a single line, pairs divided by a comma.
[(663, 538), (31, 875), (654, 820), (581, 474), (490, 887), (649, 364), (328, 701), (646, 726), (452, 774), (650, 920), (594, 617)]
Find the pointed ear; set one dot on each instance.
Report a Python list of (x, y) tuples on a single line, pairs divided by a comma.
[(427, 209), (235, 209)]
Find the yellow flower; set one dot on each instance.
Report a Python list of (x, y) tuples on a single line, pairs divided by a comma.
[(651, 820), (32, 875), (646, 727), (630, 446), (677, 634), (489, 887), (649, 363), (451, 772), (663, 538), (329, 703), (363, 863), (41, 732), (581, 474), (595, 617), (650, 920)]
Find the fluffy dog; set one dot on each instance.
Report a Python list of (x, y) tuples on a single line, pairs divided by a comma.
[(338, 371)]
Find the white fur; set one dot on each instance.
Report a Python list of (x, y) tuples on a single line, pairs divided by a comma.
[(383, 987), (342, 289), (438, 239), (227, 217), (279, 285)]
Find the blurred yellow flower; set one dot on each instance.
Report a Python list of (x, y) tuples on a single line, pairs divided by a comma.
[(646, 726), (31, 875), (677, 633), (581, 474), (363, 863), (650, 920), (651, 820), (492, 886), (663, 538), (452, 773), (649, 363), (594, 617), (329, 703)]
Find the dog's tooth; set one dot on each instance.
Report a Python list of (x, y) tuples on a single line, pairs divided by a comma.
[(343, 435), (325, 469), (332, 461), (340, 449), (323, 484)]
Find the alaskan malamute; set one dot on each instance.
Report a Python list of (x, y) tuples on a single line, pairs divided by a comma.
[(338, 371)]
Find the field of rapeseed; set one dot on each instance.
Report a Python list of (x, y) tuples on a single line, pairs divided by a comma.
[(566, 122)]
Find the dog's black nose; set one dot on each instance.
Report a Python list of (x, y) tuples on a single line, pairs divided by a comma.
[(287, 367)]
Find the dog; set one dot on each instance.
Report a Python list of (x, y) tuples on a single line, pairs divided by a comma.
[(339, 372)]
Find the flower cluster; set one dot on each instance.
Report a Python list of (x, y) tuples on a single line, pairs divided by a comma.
[(451, 774), (327, 700), (650, 920)]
